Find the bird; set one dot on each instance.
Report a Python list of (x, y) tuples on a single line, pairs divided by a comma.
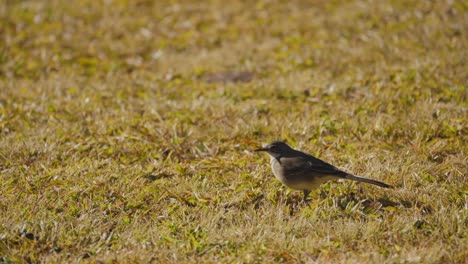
[(302, 171)]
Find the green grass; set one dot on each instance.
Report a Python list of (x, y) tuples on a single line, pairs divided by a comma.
[(120, 141)]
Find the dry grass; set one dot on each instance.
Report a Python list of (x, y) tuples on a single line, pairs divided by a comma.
[(120, 141)]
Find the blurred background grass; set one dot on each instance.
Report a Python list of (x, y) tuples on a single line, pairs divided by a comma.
[(127, 129)]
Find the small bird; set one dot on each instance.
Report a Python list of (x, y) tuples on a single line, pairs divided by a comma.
[(301, 171)]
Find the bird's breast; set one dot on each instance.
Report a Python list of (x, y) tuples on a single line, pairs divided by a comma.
[(278, 170)]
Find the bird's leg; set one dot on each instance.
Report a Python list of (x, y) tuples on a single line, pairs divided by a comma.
[(306, 193)]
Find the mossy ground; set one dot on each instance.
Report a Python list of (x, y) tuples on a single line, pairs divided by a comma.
[(127, 130)]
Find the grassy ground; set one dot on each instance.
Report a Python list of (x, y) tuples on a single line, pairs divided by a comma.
[(127, 130)]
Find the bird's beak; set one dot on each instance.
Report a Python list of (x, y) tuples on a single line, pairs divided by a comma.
[(261, 149)]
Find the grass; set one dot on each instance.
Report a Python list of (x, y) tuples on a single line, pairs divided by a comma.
[(127, 130)]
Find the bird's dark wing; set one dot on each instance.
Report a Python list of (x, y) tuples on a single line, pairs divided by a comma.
[(309, 165)]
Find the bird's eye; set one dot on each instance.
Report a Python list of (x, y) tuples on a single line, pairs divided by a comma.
[(273, 147)]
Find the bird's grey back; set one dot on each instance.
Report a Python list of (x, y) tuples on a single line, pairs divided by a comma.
[(299, 170)]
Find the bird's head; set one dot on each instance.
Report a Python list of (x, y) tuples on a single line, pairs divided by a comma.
[(276, 149)]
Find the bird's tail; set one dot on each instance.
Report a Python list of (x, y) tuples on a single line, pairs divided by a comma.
[(362, 179)]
